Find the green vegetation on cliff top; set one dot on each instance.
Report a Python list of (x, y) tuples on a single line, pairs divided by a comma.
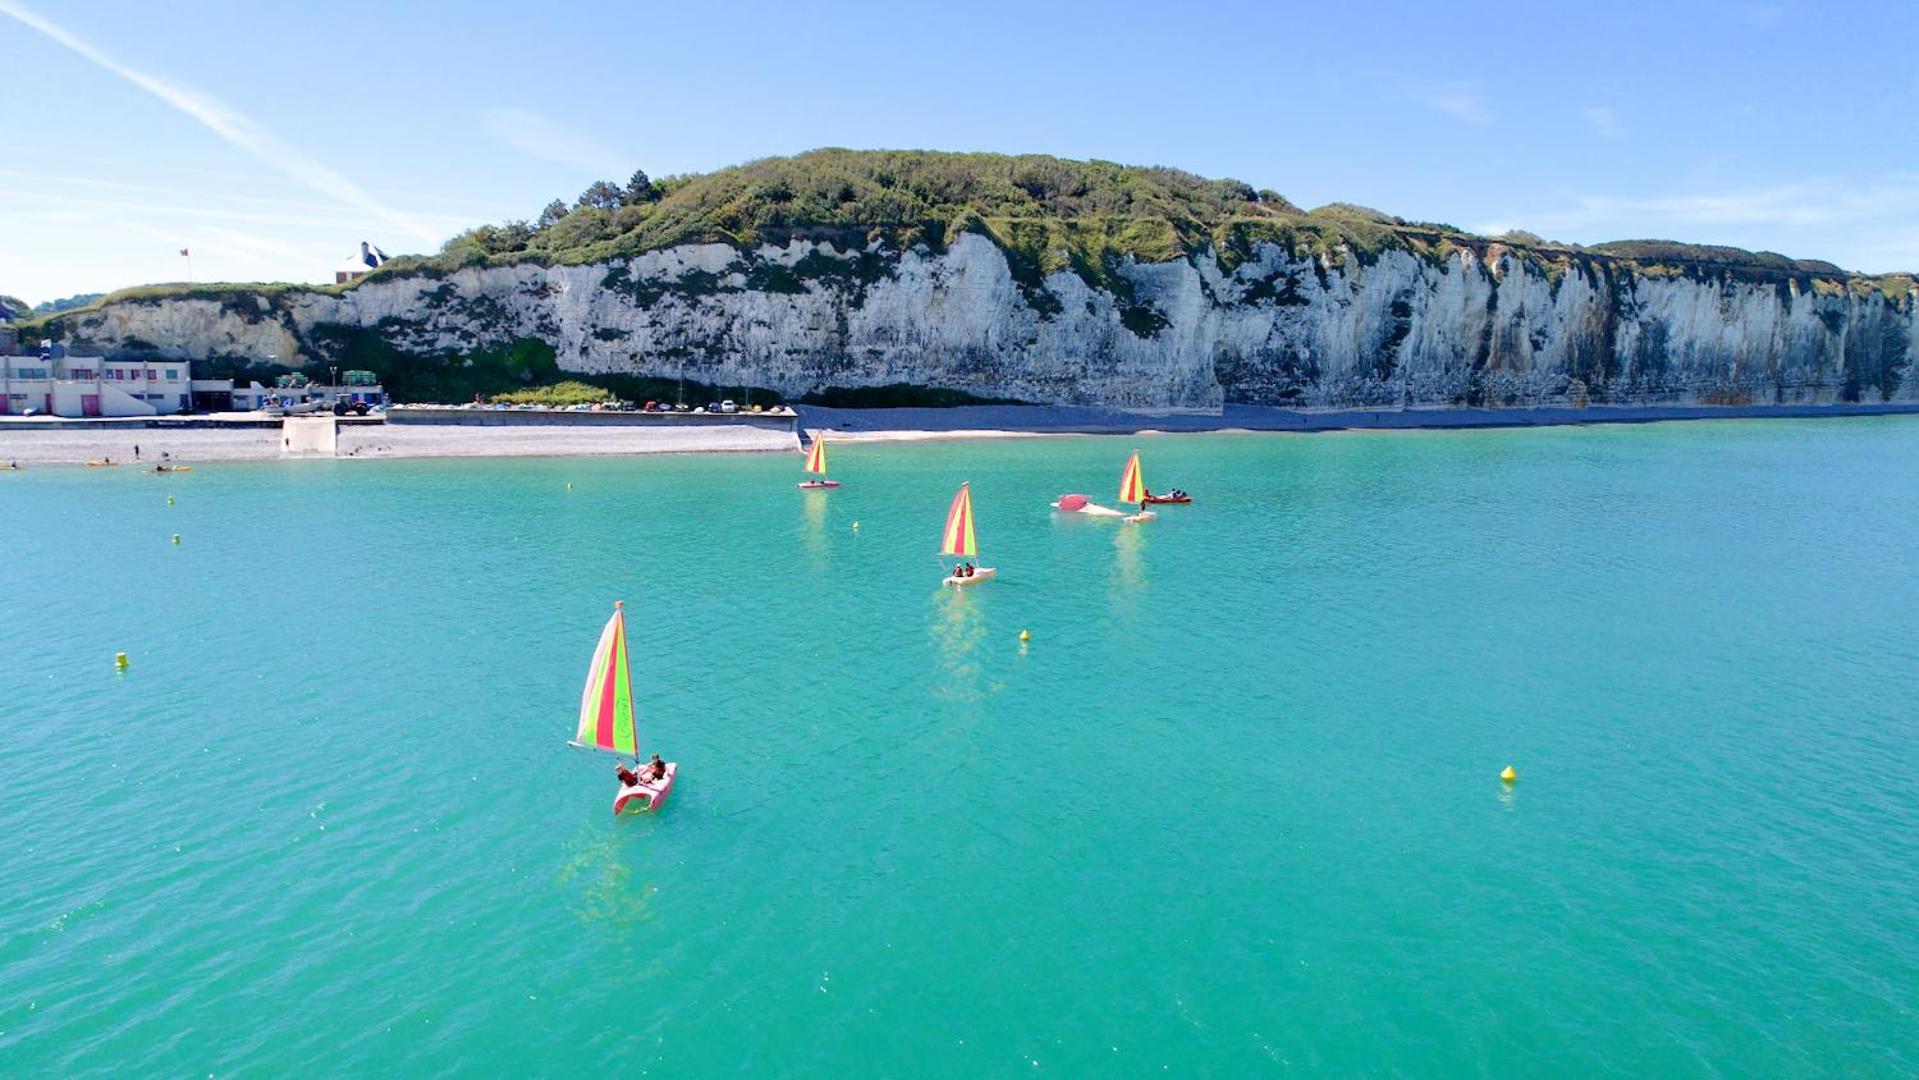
[(1046, 213)]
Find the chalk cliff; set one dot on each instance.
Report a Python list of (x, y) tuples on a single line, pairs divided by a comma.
[(1067, 282)]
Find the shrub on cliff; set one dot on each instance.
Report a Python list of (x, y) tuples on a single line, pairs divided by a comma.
[(570, 392)]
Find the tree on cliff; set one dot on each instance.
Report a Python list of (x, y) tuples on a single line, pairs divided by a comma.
[(601, 195), (641, 189), (554, 213)]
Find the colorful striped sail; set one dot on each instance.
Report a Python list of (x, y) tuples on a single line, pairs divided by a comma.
[(816, 457), (958, 538), (1132, 489), (606, 708)]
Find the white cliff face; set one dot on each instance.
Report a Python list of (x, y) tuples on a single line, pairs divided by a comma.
[(1480, 328)]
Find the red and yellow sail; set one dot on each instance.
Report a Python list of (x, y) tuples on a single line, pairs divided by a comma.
[(1131, 488), (816, 457), (606, 708), (958, 538)]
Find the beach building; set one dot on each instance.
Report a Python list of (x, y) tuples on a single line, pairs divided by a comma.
[(53, 383), (58, 384), (360, 265)]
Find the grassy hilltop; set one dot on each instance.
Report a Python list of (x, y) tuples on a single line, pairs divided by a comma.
[(1046, 213)]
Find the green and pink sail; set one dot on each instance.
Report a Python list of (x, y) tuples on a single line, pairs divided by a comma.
[(606, 708)]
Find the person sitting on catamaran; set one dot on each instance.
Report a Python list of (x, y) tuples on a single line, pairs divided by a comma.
[(653, 770), (628, 778)]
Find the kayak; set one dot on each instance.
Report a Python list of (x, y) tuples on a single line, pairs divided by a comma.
[(171, 468), (101, 464), (1157, 499), (815, 485), (639, 798), (974, 578)]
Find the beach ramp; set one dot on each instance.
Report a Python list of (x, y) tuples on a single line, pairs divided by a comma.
[(310, 436)]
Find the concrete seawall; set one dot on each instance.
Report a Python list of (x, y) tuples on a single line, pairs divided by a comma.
[(566, 418)]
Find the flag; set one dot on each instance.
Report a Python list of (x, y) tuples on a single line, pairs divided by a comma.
[(183, 251)]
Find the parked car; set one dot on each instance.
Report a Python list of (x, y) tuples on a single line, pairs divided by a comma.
[(728, 406)]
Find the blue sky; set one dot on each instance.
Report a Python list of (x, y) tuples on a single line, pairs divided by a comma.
[(271, 138)]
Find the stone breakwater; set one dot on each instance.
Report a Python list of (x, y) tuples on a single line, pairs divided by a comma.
[(1490, 327)]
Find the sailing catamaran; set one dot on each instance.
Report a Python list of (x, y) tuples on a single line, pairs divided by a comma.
[(606, 719), (1132, 489), (958, 540), (816, 464)]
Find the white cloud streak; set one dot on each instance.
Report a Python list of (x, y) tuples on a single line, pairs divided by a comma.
[(537, 135), (1866, 225), (1605, 121), (1458, 104), (238, 130)]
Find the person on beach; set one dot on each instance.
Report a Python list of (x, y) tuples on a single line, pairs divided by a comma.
[(136, 451)]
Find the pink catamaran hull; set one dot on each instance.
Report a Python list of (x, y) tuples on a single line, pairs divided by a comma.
[(639, 798)]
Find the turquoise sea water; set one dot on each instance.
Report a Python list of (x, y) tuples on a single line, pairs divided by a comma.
[(1235, 809)]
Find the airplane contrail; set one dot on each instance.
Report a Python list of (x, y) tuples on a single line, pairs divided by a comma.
[(234, 127)]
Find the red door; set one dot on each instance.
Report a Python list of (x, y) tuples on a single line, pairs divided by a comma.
[(89, 404)]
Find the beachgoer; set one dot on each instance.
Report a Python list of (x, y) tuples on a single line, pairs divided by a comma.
[(136, 451)]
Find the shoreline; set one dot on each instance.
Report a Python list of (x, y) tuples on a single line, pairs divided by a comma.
[(188, 444), (1005, 421)]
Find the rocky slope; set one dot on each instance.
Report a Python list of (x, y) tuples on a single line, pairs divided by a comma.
[(1477, 326)]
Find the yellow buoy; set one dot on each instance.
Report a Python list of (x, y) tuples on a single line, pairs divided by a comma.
[(120, 660), (1026, 635), (169, 500), (856, 526), (176, 538), (1508, 775)]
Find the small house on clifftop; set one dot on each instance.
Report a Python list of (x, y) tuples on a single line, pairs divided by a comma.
[(360, 265)]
